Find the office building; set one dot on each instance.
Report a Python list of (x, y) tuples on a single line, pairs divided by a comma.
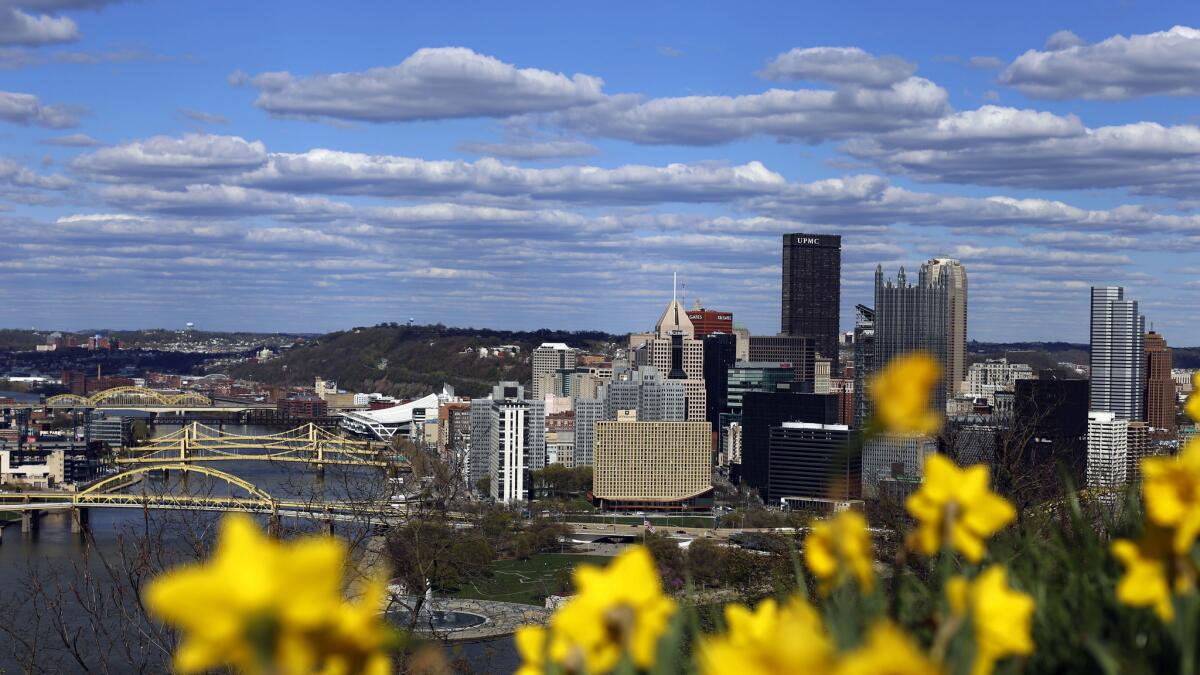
[(587, 413), (705, 322), (821, 375), (645, 390), (914, 318), (303, 407), (988, 377), (508, 441), (763, 410), (1052, 414), (1118, 354), (115, 431), (652, 465), (864, 361), (553, 365), (894, 457), (812, 461), (1159, 387), (742, 350), (720, 353), (812, 291), (1137, 447), (956, 315), (1107, 450), (798, 351), (747, 376), (676, 353)]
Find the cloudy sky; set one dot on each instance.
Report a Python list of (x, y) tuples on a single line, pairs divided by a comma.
[(313, 166)]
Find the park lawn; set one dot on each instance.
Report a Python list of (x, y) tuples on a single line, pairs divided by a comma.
[(526, 582)]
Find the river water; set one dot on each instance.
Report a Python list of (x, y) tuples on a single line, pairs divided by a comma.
[(54, 552)]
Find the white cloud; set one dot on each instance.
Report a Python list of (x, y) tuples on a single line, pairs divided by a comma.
[(190, 156), (985, 63), (18, 176), (529, 149), (1063, 39), (27, 109), (1166, 63), (434, 83), (807, 115), (838, 65), (20, 28), (203, 117), (220, 200), (74, 141)]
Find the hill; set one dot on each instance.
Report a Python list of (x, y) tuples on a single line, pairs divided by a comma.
[(1047, 354), (408, 361)]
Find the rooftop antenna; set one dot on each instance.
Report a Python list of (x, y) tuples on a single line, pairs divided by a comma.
[(674, 284)]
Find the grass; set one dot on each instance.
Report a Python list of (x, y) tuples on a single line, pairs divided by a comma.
[(527, 582)]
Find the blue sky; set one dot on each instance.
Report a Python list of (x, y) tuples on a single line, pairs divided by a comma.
[(304, 167)]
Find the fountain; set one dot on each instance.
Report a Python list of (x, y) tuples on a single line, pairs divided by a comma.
[(431, 619)]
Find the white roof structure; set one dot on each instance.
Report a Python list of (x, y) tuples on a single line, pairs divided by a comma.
[(385, 422)]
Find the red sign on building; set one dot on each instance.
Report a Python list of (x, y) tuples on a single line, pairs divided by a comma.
[(706, 321)]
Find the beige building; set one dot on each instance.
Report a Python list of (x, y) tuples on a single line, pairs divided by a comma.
[(956, 332), (553, 363), (674, 327), (647, 465)]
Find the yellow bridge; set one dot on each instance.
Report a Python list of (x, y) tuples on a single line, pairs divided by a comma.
[(309, 444), (130, 397), (111, 492)]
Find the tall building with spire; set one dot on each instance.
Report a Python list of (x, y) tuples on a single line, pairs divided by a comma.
[(674, 350), (812, 290), (1118, 354)]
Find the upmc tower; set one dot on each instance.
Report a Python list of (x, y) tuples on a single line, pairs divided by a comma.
[(812, 290)]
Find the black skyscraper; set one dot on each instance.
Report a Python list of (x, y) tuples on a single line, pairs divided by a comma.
[(812, 290), (720, 352)]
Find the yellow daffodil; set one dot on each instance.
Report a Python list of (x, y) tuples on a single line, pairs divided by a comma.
[(261, 606), (771, 639), (901, 392), (1002, 618), (1149, 566), (1193, 402), (1171, 490), (838, 548), (616, 610), (956, 508), (531, 646), (887, 651)]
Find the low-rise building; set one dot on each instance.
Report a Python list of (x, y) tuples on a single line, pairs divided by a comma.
[(652, 465)]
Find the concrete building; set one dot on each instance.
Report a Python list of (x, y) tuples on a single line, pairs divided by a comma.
[(864, 362), (116, 431), (587, 413), (821, 375), (49, 473), (988, 377), (652, 465), (648, 392), (1158, 386), (741, 336), (762, 410), (508, 441), (892, 456), (553, 364), (406, 419), (1117, 354), (675, 352), (812, 291), (812, 461), (796, 350)]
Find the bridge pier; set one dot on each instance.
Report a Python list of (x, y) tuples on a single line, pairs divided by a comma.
[(29, 522), (321, 471), (274, 526), (327, 526), (80, 520)]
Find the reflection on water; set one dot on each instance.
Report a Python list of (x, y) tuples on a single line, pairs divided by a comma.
[(56, 551)]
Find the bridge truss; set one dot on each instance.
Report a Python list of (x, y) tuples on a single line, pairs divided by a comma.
[(308, 443), (130, 397)]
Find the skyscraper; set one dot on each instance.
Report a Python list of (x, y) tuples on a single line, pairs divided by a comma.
[(676, 353), (705, 322), (652, 465), (1118, 354), (720, 353), (508, 437), (1159, 387), (914, 317), (553, 363), (812, 290), (864, 361), (956, 331)]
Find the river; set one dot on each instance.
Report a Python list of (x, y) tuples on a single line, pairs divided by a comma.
[(55, 552)]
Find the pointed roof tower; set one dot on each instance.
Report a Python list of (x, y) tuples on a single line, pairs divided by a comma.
[(674, 318)]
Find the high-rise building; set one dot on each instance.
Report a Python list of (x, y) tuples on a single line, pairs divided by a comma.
[(812, 290), (1107, 450), (1052, 414), (986, 378), (705, 322), (587, 413), (956, 314), (553, 363), (811, 460), (890, 456), (675, 352), (720, 353), (647, 392), (1159, 386), (912, 318), (747, 376), (1118, 354), (796, 350), (652, 465), (762, 410), (508, 437), (864, 361)]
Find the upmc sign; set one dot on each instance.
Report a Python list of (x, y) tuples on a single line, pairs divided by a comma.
[(808, 241)]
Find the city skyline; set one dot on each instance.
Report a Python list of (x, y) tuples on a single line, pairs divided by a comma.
[(534, 168)]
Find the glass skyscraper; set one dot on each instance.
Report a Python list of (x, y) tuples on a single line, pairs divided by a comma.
[(1118, 354), (812, 290)]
